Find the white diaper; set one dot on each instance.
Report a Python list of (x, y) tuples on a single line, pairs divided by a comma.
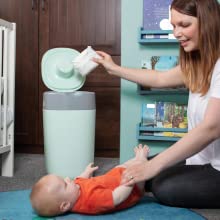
[(83, 62)]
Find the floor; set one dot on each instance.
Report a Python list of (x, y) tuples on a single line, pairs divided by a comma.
[(30, 167)]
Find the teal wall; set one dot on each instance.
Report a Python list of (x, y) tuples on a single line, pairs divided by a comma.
[(131, 55)]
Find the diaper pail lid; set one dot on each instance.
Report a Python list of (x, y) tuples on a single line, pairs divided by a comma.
[(58, 72)]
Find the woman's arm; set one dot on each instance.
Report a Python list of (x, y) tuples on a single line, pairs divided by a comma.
[(193, 142), (196, 140), (149, 78)]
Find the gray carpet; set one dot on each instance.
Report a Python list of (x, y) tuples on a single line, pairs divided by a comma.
[(30, 167)]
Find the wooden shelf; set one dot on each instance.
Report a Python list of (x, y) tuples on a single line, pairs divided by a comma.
[(152, 36), (141, 129)]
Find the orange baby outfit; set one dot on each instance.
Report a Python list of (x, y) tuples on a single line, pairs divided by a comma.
[(96, 193)]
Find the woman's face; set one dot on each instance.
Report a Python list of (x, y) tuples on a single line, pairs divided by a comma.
[(185, 29)]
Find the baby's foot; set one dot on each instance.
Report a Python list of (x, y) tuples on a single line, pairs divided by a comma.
[(141, 152), (136, 149)]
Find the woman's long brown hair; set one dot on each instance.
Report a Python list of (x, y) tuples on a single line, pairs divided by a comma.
[(197, 66)]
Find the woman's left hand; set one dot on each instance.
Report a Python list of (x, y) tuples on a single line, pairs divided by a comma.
[(137, 171)]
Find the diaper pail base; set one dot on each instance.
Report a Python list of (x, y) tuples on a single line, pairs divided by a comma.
[(69, 132)]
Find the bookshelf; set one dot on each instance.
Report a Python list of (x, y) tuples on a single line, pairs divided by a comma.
[(155, 36), (162, 121), (156, 26), (141, 136), (133, 52), (168, 91)]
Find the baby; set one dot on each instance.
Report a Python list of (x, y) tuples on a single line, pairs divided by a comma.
[(53, 195)]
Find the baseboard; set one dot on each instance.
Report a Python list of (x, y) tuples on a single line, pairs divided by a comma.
[(38, 149)]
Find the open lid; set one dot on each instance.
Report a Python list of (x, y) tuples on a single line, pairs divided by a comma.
[(57, 69)]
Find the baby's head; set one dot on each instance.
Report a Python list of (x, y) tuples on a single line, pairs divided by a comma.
[(52, 195)]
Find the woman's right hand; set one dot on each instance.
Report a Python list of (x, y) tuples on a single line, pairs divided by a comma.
[(106, 61)]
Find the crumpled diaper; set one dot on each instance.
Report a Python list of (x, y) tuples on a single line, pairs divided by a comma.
[(83, 62)]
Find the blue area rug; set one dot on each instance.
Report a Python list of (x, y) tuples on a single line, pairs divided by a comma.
[(15, 205)]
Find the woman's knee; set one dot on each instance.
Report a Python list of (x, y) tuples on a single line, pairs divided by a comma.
[(193, 186), (162, 189), (168, 187)]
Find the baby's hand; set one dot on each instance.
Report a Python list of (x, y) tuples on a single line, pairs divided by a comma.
[(90, 169)]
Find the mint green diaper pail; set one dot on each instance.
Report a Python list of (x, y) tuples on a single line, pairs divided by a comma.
[(68, 115), (69, 132)]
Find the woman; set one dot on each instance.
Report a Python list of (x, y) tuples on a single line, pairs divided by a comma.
[(194, 183)]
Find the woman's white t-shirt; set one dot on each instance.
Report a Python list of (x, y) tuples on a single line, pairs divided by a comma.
[(197, 105)]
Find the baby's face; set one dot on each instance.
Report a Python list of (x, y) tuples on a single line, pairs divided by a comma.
[(51, 191), (70, 190)]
